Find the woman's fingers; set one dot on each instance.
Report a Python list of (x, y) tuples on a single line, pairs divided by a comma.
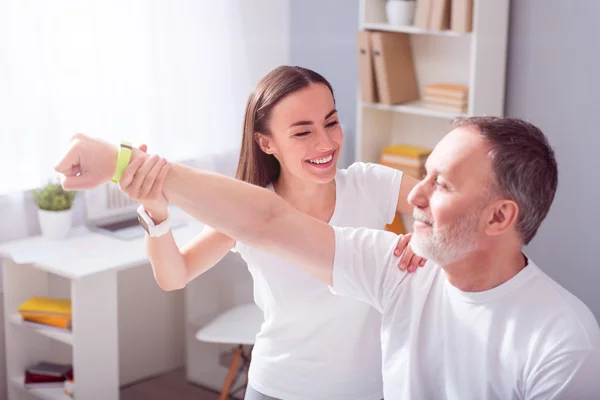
[(134, 188), (130, 172), (157, 188), (150, 178), (400, 247)]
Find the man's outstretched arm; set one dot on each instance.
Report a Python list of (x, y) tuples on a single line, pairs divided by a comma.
[(255, 216), (245, 212)]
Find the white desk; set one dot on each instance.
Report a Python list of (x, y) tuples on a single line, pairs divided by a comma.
[(90, 261)]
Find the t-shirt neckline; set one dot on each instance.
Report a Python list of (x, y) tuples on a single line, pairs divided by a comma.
[(492, 294)]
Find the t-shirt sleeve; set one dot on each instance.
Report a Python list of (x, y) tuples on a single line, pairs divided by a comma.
[(380, 184), (364, 266), (573, 374)]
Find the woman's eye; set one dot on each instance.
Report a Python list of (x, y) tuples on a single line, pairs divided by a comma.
[(302, 134), (333, 123)]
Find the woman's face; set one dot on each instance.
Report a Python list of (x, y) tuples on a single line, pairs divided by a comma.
[(306, 136)]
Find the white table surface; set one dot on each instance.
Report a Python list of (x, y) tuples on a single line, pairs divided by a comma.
[(86, 252)]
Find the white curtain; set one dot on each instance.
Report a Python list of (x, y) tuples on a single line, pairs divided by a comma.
[(173, 74)]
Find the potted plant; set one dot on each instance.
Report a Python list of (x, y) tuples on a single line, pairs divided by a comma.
[(400, 12), (54, 210)]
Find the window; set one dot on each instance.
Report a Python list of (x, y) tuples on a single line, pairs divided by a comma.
[(174, 75)]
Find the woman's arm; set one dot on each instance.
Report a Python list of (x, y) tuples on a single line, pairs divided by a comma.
[(408, 183), (173, 268)]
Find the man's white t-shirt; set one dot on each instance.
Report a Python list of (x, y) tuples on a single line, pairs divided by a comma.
[(528, 338), (313, 344)]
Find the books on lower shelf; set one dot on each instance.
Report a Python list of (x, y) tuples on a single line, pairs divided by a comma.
[(47, 311), (407, 158), (45, 375), (447, 97)]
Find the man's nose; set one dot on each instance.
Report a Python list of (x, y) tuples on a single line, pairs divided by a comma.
[(419, 196)]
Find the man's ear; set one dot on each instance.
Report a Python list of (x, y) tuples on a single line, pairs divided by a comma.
[(264, 142), (502, 216)]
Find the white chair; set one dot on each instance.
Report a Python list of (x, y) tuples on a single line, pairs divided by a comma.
[(238, 326)]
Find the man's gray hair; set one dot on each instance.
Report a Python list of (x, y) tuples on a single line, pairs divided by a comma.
[(524, 166)]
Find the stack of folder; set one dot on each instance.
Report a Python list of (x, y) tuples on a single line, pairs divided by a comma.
[(407, 158), (447, 97), (47, 311), (386, 68), (47, 375)]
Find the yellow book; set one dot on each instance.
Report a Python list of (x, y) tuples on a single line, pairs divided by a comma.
[(46, 306), (406, 150)]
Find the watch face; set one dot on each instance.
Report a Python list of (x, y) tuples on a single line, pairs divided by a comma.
[(143, 224)]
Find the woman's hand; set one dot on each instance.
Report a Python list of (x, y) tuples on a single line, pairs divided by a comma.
[(409, 261), (143, 182)]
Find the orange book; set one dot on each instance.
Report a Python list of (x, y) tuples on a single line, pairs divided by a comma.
[(397, 226), (454, 91), (57, 321)]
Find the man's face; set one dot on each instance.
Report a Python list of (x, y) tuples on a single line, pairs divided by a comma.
[(449, 202)]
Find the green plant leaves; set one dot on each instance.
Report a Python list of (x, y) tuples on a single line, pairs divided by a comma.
[(53, 197)]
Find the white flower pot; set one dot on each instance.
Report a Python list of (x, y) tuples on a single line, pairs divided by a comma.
[(400, 12), (55, 224)]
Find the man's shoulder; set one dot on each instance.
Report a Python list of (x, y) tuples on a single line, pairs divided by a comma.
[(560, 312)]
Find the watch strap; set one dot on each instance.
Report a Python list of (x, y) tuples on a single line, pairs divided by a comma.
[(123, 159), (150, 227)]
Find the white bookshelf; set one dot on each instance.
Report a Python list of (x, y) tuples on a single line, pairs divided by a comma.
[(477, 59), (61, 335), (378, 26), (413, 107), (44, 394)]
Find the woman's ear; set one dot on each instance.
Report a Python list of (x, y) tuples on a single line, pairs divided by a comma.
[(264, 142)]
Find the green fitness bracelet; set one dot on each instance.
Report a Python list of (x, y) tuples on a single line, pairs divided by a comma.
[(122, 160)]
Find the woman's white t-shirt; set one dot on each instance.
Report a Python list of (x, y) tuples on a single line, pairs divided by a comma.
[(313, 344)]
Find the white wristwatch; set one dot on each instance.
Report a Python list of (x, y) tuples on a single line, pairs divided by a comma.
[(149, 225)]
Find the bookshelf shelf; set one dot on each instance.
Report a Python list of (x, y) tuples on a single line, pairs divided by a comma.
[(411, 29), (51, 332), (476, 59), (45, 394), (414, 108)]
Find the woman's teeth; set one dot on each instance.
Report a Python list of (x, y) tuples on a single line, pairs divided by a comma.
[(322, 160)]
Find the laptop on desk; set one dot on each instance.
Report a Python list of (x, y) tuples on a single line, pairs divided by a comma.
[(109, 211)]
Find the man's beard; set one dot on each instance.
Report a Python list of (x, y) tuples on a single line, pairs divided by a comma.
[(446, 244)]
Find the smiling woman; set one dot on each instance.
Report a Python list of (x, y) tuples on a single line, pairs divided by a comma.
[(312, 343)]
